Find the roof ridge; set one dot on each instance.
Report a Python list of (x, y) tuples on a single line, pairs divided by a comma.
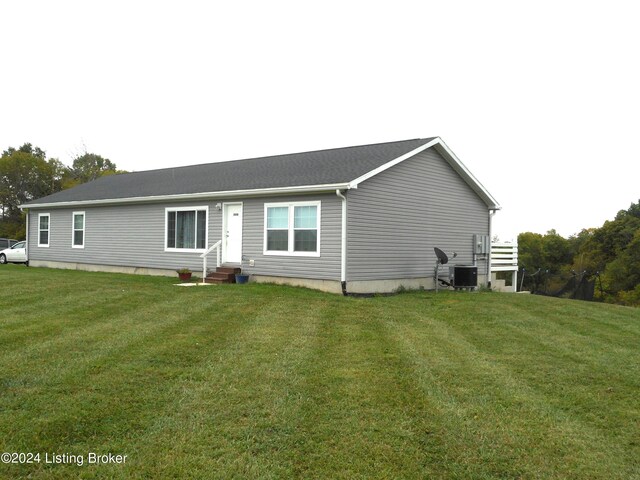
[(279, 155)]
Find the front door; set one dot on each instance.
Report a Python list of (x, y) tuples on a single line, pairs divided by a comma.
[(232, 233)]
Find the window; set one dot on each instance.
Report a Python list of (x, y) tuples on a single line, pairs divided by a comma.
[(186, 228), (278, 229), (78, 230), (292, 229), (43, 229)]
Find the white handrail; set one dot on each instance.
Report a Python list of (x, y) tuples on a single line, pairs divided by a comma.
[(204, 258)]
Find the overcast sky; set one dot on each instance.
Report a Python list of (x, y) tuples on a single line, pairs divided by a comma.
[(540, 100)]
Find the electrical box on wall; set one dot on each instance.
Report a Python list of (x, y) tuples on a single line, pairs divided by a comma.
[(481, 244)]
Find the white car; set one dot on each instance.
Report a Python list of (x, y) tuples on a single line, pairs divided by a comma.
[(15, 254)]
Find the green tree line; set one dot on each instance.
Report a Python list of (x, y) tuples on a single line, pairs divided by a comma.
[(26, 174), (610, 253)]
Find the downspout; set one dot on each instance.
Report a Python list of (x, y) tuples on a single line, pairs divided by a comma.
[(27, 234), (492, 212), (343, 249)]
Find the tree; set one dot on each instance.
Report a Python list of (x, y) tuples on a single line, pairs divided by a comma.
[(91, 166), (26, 148), (549, 252), (25, 174), (530, 251), (602, 245), (556, 251), (612, 250), (623, 272)]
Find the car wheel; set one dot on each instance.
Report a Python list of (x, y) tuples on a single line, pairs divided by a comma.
[(3, 258)]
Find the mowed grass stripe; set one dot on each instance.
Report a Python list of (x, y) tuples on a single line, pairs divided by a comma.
[(80, 325), (500, 411), (611, 321), (546, 341), (92, 408), (550, 335), (69, 306), (102, 357), (360, 417), (239, 415), (100, 331), (454, 446), (590, 378)]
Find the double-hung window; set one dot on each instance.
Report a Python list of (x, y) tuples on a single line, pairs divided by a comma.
[(78, 230), (43, 229), (186, 229), (292, 229)]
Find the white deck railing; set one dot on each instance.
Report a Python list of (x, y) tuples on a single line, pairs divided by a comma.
[(215, 246), (504, 257)]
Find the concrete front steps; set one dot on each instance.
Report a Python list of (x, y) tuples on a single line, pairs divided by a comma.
[(223, 275)]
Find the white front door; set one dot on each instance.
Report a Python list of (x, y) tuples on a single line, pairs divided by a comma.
[(232, 233)]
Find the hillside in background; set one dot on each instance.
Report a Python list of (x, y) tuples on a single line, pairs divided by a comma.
[(608, 257)]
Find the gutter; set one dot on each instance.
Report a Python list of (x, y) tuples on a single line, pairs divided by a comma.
[(26, 245), (194, 196), (343, 246)]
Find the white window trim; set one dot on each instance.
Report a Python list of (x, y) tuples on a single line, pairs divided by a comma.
[(291, 206), (73, 229), (44, 245), (187, 209)]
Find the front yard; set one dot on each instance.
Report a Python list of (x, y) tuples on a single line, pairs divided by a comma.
[(262, 381)]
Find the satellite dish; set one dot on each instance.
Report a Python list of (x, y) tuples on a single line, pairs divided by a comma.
[(442, 257), (442, 260)]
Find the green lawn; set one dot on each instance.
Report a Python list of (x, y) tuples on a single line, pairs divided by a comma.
[(263, 381)]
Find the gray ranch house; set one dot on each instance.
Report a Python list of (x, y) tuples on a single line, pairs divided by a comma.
[(360, 219)]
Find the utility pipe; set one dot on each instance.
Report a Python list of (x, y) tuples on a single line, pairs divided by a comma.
[(492, 212), (26, 245)]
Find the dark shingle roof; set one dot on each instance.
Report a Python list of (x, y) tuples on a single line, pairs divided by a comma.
[(340, 165)]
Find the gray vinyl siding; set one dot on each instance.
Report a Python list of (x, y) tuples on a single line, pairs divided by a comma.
[(324, 267), (127, 235), (396, 218), (134, 236)]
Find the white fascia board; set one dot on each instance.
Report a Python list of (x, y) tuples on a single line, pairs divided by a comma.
[(464, 172), (195, 196), (450, 157)]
